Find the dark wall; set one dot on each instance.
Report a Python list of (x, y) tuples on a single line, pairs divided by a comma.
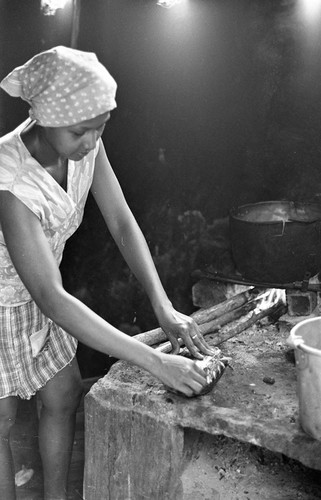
[(218, 100)]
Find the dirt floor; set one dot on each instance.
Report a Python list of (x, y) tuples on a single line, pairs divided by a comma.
[(226, 469)]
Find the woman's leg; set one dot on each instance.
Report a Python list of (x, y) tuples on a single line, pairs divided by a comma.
[(60, 399), (8, 410)]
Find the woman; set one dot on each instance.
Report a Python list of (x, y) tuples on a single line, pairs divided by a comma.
[(47, 166)]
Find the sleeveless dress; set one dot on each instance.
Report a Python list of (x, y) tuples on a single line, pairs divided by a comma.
[(32, 347)]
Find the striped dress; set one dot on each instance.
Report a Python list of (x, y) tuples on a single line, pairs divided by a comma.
[(33, 348)]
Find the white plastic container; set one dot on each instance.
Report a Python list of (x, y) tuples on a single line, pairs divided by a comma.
[(305, 337)]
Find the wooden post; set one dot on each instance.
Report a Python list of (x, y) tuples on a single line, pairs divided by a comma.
[(75, 23)]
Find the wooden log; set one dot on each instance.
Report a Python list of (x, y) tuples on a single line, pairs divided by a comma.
[(151, 337), (232, 329), (167, 346), (205, 315), (157, 335), (215, 324)]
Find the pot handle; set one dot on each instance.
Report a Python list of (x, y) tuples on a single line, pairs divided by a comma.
[(305, 221), (294, 341)]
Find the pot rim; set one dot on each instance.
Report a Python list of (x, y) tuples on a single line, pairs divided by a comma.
[(237, 213)]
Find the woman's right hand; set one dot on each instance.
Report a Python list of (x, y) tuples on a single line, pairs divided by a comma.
[(180, 373)]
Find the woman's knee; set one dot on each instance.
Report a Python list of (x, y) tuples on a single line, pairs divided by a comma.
[(72, 396), (62, 395), (8, 411), (6, 423)]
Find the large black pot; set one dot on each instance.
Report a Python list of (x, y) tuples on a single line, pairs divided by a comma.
[(276, 241)]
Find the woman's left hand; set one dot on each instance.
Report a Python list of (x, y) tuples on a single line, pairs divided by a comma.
[(177, 325)]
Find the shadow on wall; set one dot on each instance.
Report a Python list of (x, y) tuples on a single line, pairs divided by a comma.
[(223, 89)]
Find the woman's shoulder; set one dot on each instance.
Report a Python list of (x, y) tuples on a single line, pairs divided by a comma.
[(11, 142), (9, 157), (13, 156), (16, 131)]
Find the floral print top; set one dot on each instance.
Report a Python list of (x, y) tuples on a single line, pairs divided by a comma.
[(60, 212)]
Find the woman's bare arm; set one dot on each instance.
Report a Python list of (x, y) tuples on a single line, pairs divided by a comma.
[(37, 268), (135, 251)]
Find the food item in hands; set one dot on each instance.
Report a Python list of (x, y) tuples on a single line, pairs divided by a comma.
[(213, 367)]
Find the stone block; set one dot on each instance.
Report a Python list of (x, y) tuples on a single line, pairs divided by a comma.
[(131, 455), (207, 292), (301, 303)]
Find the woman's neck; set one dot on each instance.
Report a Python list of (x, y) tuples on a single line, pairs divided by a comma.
[(35, 141)]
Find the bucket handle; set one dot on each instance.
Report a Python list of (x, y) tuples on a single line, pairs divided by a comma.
[(301, 357), (294, 341), (297, 342)]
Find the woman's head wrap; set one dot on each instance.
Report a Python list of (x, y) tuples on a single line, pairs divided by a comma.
[(63, 86)]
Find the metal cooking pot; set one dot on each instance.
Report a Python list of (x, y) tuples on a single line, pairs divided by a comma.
[(276, 241)]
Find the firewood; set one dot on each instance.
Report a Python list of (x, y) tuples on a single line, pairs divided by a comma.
[(232, 329), (204, 315), (151, 337), (215, 324), (155, 336)]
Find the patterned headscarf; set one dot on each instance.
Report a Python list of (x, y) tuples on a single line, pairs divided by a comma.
[(63, 86)]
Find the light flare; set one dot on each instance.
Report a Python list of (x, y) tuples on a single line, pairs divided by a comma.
[(168, 4), (49, 7), (309, 10), (270, 298)]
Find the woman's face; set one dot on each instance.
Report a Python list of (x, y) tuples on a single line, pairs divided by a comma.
[(75, 141)]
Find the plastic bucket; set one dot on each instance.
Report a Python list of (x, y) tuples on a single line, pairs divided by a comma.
[(305, 337)]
